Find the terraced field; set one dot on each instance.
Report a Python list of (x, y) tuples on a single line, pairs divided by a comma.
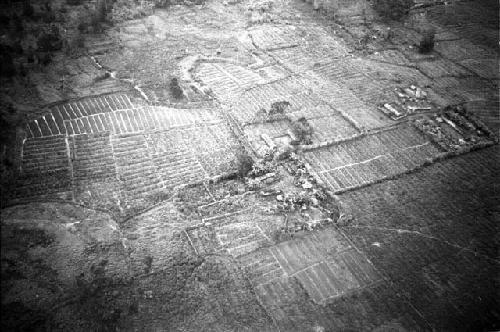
[(319, 268), (371, 158), (416, 245), (45, 169), (54, 122), (140, 151)]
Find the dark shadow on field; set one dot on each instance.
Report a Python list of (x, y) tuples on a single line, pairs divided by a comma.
[(434, 235)]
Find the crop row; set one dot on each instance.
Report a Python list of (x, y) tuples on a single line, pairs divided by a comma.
[(344, 101), (290, 90), (44, 155), (138, 120), (365, 148), (52, 123), (261, 266), (273, 38), (51, 185), (380, 167), (93, 157), (135, 167), (227, 80)]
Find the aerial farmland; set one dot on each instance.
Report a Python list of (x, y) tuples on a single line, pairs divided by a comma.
[(268, 165)]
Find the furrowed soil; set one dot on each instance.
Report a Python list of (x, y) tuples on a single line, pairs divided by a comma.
[(255, 166)]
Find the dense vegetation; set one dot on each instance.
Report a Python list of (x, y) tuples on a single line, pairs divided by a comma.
[(392, 9)]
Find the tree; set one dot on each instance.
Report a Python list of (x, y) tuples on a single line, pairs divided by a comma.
[(175, 88), (302, 130), (427, 43)]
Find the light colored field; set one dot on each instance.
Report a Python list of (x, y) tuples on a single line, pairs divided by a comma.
[(325, 265), (236, 239), (274, 37), (367, 159), (141, 150)]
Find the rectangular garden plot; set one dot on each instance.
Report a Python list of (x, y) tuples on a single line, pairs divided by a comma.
[(174, 161), (43, 155), (49, 185), (371, 158), (53, 123), (135, 166), (237, 239), (45, 170), (325, 264), (347, 272), (227, 80), (92, 157), (240, 238), (261, 266), (329, 128), (274, 38), (284, 299), (345, 101)]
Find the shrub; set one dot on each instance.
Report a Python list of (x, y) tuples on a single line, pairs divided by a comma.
[(277, 111), (427, 43), (175, 88), (392, 9)]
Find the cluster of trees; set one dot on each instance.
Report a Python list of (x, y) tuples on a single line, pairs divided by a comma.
[(32, 35), (38, 44), (122, 10)]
